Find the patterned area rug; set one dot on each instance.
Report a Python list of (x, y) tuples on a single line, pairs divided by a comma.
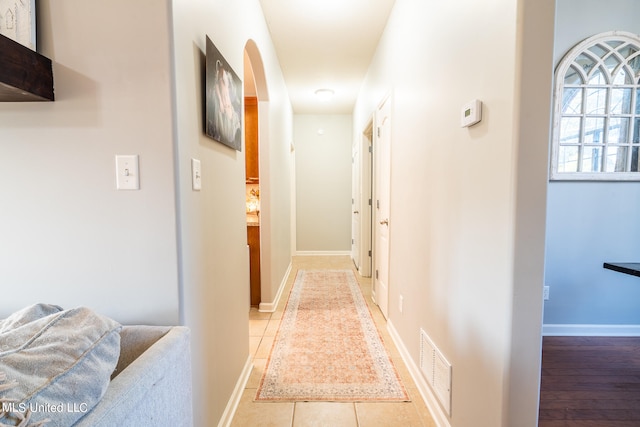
[(328, 347)]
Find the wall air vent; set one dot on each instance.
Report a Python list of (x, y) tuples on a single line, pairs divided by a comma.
[(436, 370)]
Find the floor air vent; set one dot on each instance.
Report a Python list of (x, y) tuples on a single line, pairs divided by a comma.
[(437, 371)]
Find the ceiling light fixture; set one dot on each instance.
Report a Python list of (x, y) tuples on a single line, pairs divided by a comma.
[(324, 94)]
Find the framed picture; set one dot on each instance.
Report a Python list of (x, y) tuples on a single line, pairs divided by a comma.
[(18, 21), (223, 99)]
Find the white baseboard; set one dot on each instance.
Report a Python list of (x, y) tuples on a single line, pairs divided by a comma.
[(591, 330), (322, 253), (270, 307), (439, 416), (234, 400)]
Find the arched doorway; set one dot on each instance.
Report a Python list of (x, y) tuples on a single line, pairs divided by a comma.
[(255, 92)]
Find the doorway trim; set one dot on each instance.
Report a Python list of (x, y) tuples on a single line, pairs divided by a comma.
[(381, 207), (262, 94), (363, 200)]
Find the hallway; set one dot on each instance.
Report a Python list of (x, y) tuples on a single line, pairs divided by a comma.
[(263, 328)]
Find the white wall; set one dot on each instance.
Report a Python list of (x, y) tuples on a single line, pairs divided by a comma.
[(213, 243), (276, 181), (323, 182), (68, 237), (467, 204), (164, 254)]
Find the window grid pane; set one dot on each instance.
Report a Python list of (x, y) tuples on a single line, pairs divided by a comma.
[(635, 65), (572, 100), (616, 160), (598, 77), (570, 130), (599, 126), (593, 130), (592, 158), (596, 100), (568, 158), (621, 100), (585, 62), (622, 78), (573, 77), (634, 160), (618, 130)]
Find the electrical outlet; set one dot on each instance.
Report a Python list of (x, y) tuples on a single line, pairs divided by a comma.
[(545, 293)]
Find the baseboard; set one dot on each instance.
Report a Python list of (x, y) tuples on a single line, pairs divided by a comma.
[(439, 416), (591, 330), (234, 400), (322, 253), (270, 307)]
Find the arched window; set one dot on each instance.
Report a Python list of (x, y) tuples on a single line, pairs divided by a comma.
[(596, 133)]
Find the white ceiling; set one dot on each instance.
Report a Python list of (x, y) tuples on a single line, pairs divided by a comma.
[(325, 44)]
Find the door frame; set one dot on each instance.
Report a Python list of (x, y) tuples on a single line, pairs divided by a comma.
[(384, 308), (363, 185), (252, 62)]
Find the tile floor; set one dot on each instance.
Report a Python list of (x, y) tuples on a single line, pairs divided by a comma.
[(263, 328)]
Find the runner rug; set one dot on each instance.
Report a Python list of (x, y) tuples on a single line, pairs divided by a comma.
[(327, 347)]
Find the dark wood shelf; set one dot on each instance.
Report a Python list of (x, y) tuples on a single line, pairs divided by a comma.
[(25, 75)]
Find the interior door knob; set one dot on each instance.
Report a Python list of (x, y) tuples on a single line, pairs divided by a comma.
[(385, 222), (356, 212)]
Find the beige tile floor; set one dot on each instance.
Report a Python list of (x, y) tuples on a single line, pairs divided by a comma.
[(263, 328)]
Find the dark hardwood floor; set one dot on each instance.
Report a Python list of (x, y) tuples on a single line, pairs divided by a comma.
[(590, 381)]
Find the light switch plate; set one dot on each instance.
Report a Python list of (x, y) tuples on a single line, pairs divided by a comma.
[(471, 113), (127, 172), (196, 175)]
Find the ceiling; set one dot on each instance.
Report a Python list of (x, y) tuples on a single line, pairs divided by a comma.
[(325, 44)]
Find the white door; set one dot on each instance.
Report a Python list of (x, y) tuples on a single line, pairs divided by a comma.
[(355, 206), (382, 156)]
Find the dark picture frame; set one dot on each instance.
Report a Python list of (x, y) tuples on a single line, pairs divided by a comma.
[(223, 100)]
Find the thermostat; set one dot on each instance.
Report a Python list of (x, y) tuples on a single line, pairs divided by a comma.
[(471, 113)]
